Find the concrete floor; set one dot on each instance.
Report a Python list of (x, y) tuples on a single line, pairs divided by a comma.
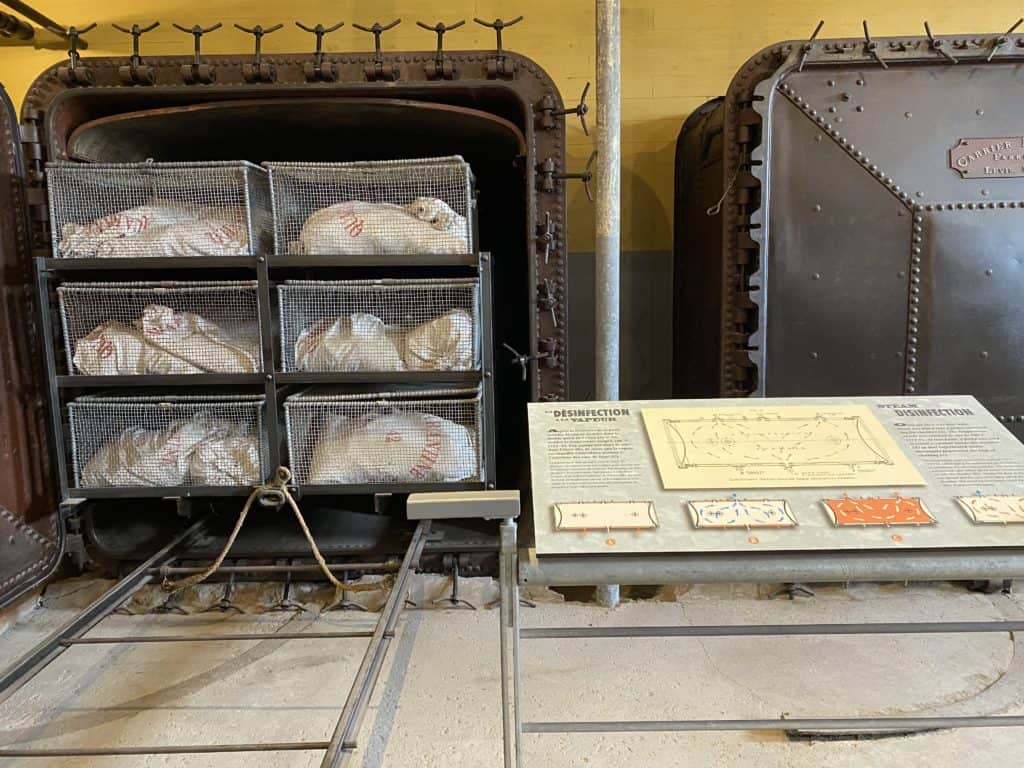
[(438, 701)]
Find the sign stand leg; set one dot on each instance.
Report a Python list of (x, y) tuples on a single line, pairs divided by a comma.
[(511, 719)]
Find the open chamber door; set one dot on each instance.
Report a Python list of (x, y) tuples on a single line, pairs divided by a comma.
[(31, 538), (850, 222)]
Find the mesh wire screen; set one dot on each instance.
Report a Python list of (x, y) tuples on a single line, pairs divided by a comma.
[(412, 437), (390, 207), (127, 329), (167, 441), (134, 210), (380, 325)]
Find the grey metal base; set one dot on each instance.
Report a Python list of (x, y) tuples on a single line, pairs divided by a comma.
[(775, 567), (781, 567)]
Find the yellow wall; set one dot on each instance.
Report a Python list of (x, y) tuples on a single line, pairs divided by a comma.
[(676, 55)]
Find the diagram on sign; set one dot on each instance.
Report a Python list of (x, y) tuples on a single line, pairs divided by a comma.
[(741, 513), (784, 447), (605, 516), (886, 511), (993, 509)]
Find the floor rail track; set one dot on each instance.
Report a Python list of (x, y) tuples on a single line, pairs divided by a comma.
[(342, 744)]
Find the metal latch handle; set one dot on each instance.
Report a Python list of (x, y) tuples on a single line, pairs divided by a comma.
[(136, 32), (379, 70), (870, 46), (258, 32), (319, 30), (75, 73), (498, 25), (1002, 40), (806, 48), (939, 46)]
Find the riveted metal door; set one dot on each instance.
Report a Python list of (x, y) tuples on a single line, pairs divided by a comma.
[(892, 232), (30, 535)]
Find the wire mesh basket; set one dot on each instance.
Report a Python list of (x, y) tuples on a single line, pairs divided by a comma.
[(390, 207), (167, 442), (135, 210), (414, 437), (126, 329), (380, 325)]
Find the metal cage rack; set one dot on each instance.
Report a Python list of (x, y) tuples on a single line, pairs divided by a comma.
[(144, 210), (126, 441), (380, 325), (227, 305), (411, 437), (171, 327), (384, 208)]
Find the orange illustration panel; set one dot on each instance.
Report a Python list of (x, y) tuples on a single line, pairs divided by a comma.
[(894, 510)]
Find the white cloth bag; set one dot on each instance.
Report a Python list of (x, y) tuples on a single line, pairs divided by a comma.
[(355, 227), (194, 451), (159, 228), (165, 342), (226, 458), (398, 447), (356, 342), (198, 341), (443, 344), (145, 457)]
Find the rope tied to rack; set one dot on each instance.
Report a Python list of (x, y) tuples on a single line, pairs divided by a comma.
[(277, 485)]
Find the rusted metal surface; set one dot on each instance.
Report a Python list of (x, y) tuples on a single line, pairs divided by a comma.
[(867, 186), (30, 538), (60, 108), (491, 98), (136, 136)]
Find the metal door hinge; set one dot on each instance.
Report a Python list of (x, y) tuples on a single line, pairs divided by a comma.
[(34, 153), (29, 133)]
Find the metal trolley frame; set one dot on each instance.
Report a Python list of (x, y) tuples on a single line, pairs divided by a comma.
[(338, 751), (271, 380)]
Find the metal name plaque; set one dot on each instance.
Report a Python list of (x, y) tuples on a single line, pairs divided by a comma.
[(988, 158), (773, 474)]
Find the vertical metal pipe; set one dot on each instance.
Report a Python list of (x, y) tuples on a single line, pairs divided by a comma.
[(608, 214), (608, 208)]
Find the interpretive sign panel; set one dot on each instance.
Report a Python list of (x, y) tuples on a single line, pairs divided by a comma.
[(773, 474)]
